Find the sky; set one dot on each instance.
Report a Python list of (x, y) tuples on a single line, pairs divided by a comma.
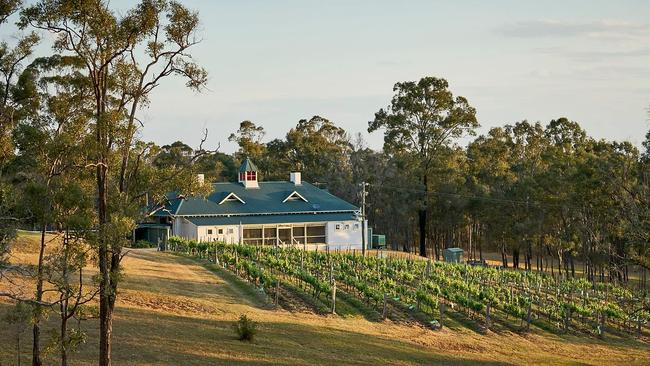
[(276, 62)]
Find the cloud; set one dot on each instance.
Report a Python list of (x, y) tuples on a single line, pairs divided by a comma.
[(583, 53), (601, 29)]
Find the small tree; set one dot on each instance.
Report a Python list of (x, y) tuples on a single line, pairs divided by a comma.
[(245, 328), (18, 318)]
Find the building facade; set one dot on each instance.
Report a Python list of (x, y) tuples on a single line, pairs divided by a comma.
[(283, 213)]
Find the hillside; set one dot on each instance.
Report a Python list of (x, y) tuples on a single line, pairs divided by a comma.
[(172, 310)]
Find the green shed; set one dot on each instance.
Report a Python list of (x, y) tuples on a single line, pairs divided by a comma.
[(378, 241), (453, 255)]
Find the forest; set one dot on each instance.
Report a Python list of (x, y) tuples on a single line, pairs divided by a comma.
[(72, 162)]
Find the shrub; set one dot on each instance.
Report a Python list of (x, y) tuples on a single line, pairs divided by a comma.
[(245, 328), (144, 244)]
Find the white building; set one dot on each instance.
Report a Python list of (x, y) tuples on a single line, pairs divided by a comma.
[(290, 212)]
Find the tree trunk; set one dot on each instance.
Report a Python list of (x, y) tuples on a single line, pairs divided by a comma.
[(422, 217), (36, 329), (515, 258), (64, 335), (107, 287)]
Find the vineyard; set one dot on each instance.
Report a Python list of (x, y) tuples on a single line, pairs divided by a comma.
[(486, 298)]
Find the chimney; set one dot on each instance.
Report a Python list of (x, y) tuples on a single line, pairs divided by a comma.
[(295, 178), (200, 178)]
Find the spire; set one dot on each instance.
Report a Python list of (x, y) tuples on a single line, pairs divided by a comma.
[(248, 174)]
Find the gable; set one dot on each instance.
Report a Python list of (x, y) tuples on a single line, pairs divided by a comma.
[(231, 197), (294, 196)]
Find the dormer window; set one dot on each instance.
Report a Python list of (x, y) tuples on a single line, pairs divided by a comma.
[(232, 197), (295, 196)]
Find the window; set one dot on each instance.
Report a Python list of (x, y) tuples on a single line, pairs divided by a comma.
[(230, 231), (242, 176), (252, 233), (338, 226), (269, 233), (220, 231), (252, 236), (316, 230), (298, 231), (347, 227), (209, 231), (251, 176), (356, 226)]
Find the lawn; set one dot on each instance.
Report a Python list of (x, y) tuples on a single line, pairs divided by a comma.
[(173, 310)]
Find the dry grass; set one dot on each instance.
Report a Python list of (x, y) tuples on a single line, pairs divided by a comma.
[(172, 311)]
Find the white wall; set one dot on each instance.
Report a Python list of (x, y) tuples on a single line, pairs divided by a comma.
[(184, 228), (348, 236), (229, 233)]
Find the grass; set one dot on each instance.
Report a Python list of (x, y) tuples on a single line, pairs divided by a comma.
[(175, 310)]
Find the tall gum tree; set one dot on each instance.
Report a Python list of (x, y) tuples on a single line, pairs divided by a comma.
[(125, 57), (422, 117)]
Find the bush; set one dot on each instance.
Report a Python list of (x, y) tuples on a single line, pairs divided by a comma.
[(144, 244), (245, 328)]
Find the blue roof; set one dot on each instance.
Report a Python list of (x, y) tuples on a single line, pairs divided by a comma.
[(271, 219), (267, 199)]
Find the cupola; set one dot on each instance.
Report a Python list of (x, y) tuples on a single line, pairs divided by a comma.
[(248, 174)]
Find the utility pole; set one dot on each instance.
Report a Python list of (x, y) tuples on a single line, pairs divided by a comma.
[(363, 218)]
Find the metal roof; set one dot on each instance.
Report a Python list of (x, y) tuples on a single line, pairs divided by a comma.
[(454, 250), (247, 166), (271, 219), (267, 199)]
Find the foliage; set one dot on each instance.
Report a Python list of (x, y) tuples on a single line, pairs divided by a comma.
[(245, 328), (144, 244)]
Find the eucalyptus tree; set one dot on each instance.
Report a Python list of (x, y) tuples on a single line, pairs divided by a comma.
[(318, 148), (12, 60), (64, 271), (125, 57), (566, 152), (249, 138), (423, 117), (51, 138), (492, 180)]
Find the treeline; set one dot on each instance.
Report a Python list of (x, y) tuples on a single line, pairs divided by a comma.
[(541, 195)]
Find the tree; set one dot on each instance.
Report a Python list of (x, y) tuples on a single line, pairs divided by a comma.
[(125, 57), (249, 138), (316, 147), (18, 318), (423, 117), (11, 60)]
